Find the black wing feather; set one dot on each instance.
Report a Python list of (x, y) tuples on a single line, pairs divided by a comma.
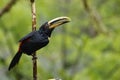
[(27, 36)]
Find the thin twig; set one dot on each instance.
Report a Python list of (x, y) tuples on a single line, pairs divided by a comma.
[(7, 7), (33, 9), (96, 18)]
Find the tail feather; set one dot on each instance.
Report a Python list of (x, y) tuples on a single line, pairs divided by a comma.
[(15, 60)]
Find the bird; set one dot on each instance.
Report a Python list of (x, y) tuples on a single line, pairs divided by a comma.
[(37, 39)]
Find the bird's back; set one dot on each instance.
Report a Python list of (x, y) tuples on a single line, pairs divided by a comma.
[(35, 42)]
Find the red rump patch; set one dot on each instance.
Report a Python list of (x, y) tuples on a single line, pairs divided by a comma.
[(22, 42)]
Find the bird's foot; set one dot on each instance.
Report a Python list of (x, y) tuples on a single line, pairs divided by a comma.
[(34, 57)]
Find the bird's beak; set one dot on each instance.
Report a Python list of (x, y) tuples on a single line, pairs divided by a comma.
[(58, 21)]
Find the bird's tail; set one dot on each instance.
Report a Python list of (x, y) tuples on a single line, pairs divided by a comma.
[(15, 60)]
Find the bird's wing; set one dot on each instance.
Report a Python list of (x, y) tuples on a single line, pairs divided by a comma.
[(27, 36)]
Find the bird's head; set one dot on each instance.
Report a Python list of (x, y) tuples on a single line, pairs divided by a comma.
[(49, 26)]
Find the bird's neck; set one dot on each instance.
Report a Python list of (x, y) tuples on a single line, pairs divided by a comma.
[(43, 33)]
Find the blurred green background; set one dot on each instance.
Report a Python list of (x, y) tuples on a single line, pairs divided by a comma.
[(87, 48)]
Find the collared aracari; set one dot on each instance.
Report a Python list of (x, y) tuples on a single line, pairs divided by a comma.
[(37, 39)]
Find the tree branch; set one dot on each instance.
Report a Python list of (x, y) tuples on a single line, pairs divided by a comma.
[(96, 18), (33, 9), (7, 7)]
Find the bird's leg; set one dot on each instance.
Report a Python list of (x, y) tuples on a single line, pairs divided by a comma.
[(35, 57)]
